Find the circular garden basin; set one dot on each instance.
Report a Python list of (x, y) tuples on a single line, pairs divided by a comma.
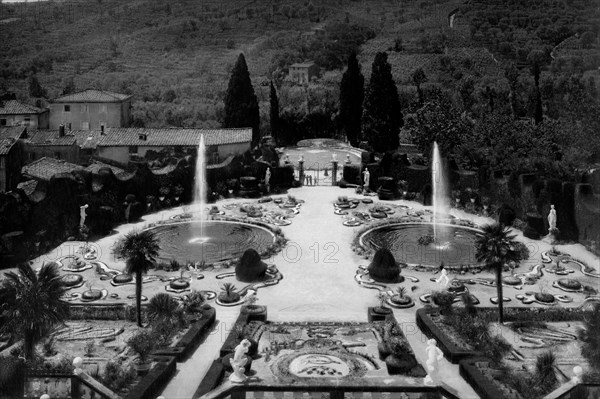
[(71, 280), (91, 295), (179, 284), (123, 278), (569, 284)]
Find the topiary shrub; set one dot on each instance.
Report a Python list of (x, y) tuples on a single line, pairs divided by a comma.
[(384, 268), (250, 268)]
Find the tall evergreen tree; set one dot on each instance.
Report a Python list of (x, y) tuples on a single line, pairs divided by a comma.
[(382, 118), (35, 88), (419, 78), (352, 93), (241, 104), (274, 113)]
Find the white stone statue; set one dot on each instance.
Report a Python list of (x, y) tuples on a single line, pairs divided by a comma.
[(301, 159), (286, 159), (238, 361), (443, 279), (348, 159), (267, 176), (552, 218), (434, 355), (334, 157), (82, 215), (366, 178)]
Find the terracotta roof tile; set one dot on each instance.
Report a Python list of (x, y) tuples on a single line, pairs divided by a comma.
[(45, 168), (161, 137), (87, 139), (12, 132), (28, 186), (13, 107), (97, 165), (92, 96), (9, 136)]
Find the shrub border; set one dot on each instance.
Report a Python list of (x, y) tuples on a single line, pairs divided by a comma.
[(431, 330), (478, 381), (152, 383)]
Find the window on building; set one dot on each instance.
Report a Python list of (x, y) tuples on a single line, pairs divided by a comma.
[(31, 157), (27, 121), (102, 107), (133, 149), (57, 155), (2, 162), (67, 108), (85, 108), (2, 122), (85, 125)]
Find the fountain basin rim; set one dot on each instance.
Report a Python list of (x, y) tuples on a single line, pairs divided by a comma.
[(408, 224), (188, 221)]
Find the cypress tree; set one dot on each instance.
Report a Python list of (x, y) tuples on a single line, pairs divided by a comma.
[(382, 117), (241, 104), (274, 113), (35, 88), (352, 93)]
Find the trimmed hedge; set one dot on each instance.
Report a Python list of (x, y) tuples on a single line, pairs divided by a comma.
[(151, 385), (451, 351), (233, 339), (191, 339), (212, 379), (480, 383)]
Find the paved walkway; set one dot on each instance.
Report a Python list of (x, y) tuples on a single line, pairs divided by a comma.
[(318, 266)]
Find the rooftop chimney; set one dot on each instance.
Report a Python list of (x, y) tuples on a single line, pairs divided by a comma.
[(61, 131), (143, 136), (102, 130)]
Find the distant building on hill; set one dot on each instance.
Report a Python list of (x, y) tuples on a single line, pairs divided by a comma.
[(302, 72), (123, 145), (90, 110), (15, 113)]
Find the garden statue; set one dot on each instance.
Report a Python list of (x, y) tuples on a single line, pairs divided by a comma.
[(443, 279), (366, 178), (286, 159), (434, 355), (301, 159), (334, 157), (238, 362), (577, 373), (82, 215), (552, 219), (77, 362), (348, 161)]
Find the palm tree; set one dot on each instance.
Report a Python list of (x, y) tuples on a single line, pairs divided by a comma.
[(30, 303), (496, 247), (139, 248)]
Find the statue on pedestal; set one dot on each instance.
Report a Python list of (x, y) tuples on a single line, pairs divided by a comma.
[(443, 279), (82, 215), (348, 161), (434, 355), (238, 362), (552, 219)]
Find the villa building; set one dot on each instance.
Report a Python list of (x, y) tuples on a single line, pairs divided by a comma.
[(123, 145), (15, 113), (90, 110), (303, 72)]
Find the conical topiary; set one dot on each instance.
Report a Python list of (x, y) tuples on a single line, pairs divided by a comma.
[(250, 268), (383, 267)]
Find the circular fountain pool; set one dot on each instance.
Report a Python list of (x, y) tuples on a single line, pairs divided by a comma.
[(454, 245), (221, 240)]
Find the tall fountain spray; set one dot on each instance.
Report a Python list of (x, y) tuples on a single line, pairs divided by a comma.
[(200, 184), (440, 193)]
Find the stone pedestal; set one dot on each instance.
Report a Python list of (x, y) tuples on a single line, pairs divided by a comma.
[(376, 316), (386, 188), (301, 172), (249, 187), (334, 168)]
